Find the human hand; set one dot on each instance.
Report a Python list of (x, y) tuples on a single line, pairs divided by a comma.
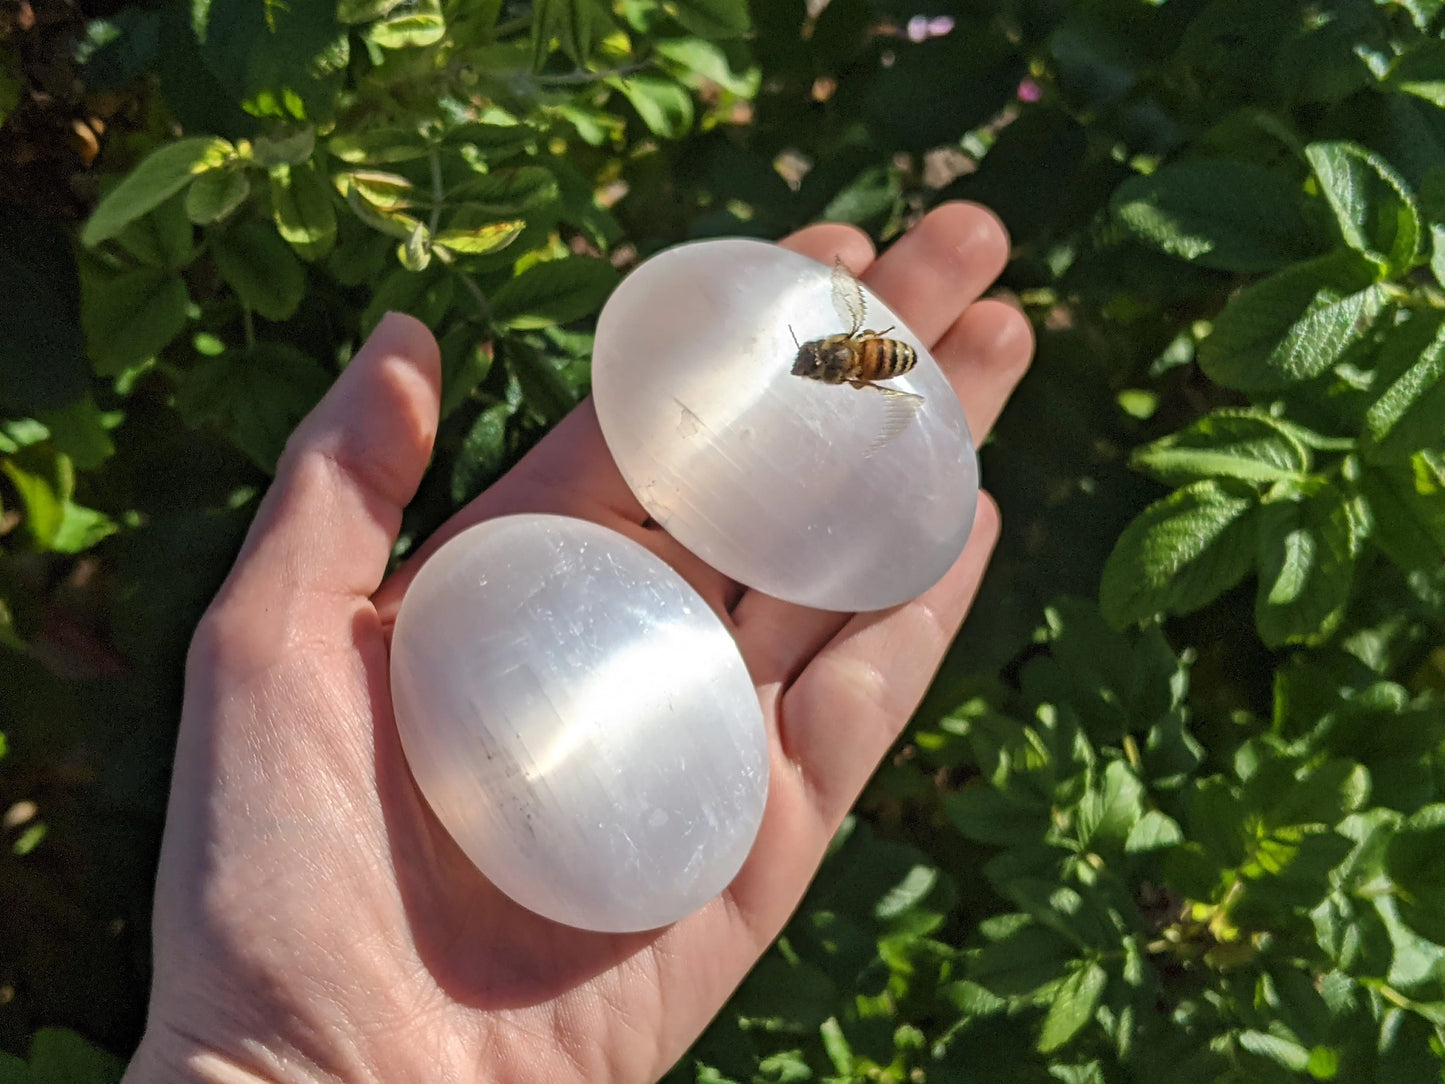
[(313, 920)]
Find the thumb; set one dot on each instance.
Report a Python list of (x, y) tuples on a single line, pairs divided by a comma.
[(326, 527)]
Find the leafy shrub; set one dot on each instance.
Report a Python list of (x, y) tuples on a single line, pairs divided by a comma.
[(1190, 832)]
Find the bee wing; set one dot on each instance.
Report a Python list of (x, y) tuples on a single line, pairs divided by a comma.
[(847, 298), (901, 407)]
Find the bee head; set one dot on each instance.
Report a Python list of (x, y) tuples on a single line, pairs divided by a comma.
[(807, 362), (820, 360)]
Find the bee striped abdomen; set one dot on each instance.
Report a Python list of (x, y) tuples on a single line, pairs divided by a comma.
[(883, 359)]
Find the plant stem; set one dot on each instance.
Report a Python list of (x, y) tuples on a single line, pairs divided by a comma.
[(437, 195), (512, 26), (579, 77), (477, 295)]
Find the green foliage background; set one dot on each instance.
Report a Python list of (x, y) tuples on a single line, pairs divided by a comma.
[(1173, 809)]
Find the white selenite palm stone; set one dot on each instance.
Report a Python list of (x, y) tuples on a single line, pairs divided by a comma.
[(806, 491), (580, 721)]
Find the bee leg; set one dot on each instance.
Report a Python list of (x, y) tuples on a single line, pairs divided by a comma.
[(893, 392)]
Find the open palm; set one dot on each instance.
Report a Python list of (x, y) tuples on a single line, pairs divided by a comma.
[(314, 921)]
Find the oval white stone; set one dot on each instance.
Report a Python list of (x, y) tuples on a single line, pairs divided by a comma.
[(810, 492), (580, 721)]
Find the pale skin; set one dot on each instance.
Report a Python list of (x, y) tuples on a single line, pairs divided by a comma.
[(313, 920)]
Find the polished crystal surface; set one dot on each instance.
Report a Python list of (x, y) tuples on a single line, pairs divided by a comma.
[(827, 495), (580, 721)]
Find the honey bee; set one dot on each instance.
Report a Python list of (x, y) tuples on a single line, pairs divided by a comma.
[(857, 357)]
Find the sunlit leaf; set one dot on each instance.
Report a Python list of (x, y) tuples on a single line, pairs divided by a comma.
[(1181, 553), (1218, 213), (212, 196), (554, 292)]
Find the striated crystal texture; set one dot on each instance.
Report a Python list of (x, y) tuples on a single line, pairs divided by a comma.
[(580, 721), (827, 495)]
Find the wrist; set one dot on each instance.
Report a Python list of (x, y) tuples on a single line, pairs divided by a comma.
[(176, 1059)]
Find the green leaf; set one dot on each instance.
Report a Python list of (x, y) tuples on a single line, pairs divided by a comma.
[(1022, 957), (413, 23), (261, 268), (1374, 207), (712, 18), (784, 1067), (60, 1056), (352, 12), (268, 152), (785, 995), (664, 104), (1407, 503), (128, 319), (1107, 816), (546, 389), (1308, 547), (1118, 682), (156, 179), (414, 252), (1432, 203), (1246, 444), (596, 126), (483, 453), (1414, 856), (982, 813), (1422, 12), (580, 25), (1316, 795), (1411, 413), (214, 195), (45, 482), (162, 238), (21, 433), (1217, 822), (491, 142), (427, 296), (836, 1045), (1180, 553), (506, 191), (1073, 1006), (1153, 832), (1421, 72), (554, 292), (256, 397), (1283, 1052), (80, 431), (301, 204), (1171, 753), (714, 63), (907, 894), (1233, 216), (284, 60), (1292, 326), (383, 191), (466, 360), (872, 195), (483, 239), (378, 146)]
